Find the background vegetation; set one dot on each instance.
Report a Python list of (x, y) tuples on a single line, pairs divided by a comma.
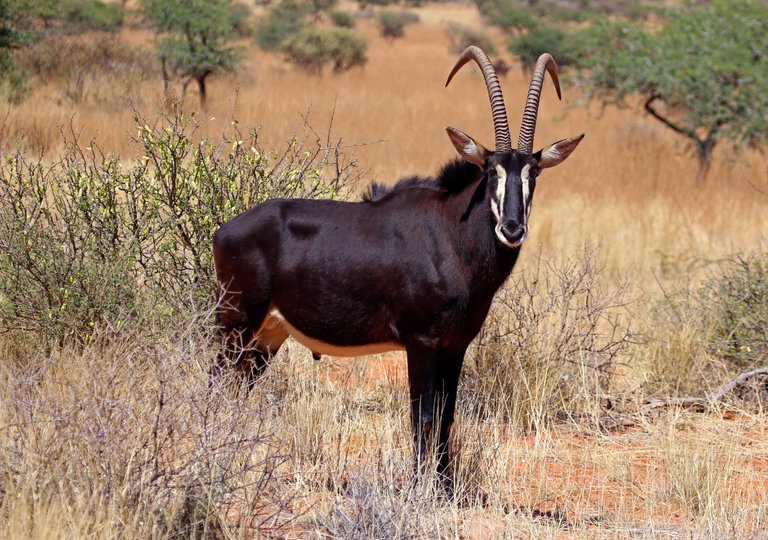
[(638, 283), (288, 27), (194, 39), (89, 239)]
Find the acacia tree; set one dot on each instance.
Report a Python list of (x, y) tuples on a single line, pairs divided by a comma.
[(17, 30), (702, 75), (9, 36), (195, 39)]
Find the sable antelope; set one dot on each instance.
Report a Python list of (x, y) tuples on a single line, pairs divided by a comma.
[(413, 267)]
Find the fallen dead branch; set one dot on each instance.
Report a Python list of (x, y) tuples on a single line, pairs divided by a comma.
[(702, 403)]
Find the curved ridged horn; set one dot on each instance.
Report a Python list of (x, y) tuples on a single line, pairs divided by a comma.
[(528, 125), (499, 112)]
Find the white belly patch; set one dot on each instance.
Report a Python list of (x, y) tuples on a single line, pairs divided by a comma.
[(276, 320)]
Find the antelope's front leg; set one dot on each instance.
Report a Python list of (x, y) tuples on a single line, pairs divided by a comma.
[(421, 381), (433, 377)]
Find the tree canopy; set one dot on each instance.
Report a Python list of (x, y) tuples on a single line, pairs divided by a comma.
[(13, 35), (703, 74), (195, 38), (289, 27)]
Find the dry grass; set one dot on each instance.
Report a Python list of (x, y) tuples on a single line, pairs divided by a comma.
[(122, 437)]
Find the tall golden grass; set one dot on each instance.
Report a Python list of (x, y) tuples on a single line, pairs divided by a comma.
[(121, 438)]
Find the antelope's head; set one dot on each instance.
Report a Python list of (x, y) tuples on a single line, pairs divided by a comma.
[(511, 173)]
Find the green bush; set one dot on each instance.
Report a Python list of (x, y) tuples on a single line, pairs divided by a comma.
[(340, 18), (541, 39), (283, 22), (506, 14), (318, 6), (518, 15), (90, 239), (82, 15), (348, 49), (734, 304), (310, 49), (705, 335), (364, 3), (313, 48), (461, 37), (14, 85), (240, 19), (392, 23)]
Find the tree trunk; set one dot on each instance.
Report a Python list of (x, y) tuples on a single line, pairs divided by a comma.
[(201, 87), (704, 147), (184, 86), (705, 150)]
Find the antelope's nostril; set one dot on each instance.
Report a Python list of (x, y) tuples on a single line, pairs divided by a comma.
[(510, 225), (514, 232)]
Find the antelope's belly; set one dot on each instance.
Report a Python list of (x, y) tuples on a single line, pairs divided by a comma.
[(276, 322)]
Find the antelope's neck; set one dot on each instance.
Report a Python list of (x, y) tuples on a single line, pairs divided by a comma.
[(489, 261)]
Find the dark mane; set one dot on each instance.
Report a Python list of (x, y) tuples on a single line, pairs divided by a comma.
[(452, 178)]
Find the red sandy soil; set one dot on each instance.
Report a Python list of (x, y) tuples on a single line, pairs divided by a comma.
[(578, 485)]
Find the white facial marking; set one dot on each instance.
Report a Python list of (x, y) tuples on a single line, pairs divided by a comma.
[(501, 191), (525, 177), (497, 204), (501, 186)]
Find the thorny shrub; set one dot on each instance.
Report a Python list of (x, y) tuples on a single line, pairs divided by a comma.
[(392, 23), (461, 37), (283, 21), (90, 238), (84, 15), (82, 62), (123, 438), (367, 509), (312, 48), (736, 301), (541, 39), (549, 346), (707, 334), (341, 18)]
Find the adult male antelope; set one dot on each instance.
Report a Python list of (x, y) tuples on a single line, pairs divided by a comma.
[(413, 267)]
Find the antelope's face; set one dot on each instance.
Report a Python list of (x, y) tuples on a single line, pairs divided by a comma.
[(511, 177), (511, 173), (511, 181)]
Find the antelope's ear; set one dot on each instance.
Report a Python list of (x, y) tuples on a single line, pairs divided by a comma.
[(469, 149), (556, 153)]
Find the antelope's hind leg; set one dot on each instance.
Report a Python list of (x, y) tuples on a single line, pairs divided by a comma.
[(250, 338)]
